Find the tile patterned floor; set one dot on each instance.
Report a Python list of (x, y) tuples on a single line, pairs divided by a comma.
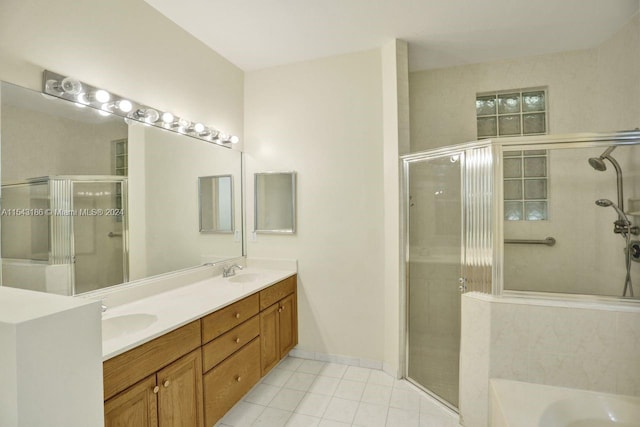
[(308, 393)]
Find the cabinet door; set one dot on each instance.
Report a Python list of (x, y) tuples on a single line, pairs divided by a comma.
[(180, 396), (287, 328), (269, 338), (136, 406)]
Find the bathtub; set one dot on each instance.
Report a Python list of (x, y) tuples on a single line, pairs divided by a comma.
[(521, 404)]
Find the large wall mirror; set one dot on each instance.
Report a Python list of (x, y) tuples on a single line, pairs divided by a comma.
[(89, 201)]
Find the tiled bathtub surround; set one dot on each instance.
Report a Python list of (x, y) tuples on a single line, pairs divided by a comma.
[(569, 344)]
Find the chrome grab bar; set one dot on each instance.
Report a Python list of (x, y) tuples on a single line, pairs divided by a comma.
[(549, 241)]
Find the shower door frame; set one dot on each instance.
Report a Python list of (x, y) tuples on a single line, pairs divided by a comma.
[(86, 179), (405, 162)]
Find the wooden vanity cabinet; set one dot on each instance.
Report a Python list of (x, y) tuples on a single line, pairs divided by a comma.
[(136, 406), (278, 322), (231, 349), (180, 392), (192, 376), (170, 393)]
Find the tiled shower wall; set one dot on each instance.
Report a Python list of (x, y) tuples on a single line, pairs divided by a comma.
[(576, 345)]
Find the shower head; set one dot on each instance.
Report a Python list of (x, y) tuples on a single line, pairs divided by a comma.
[(598, 162), (606, 203)]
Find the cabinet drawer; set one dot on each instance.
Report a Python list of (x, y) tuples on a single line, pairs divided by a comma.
[(276, 292), (225, 384), (128, 368), (226, 344), (221, 321)]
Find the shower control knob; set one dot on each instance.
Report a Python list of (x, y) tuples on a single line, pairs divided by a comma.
[(463, 284)]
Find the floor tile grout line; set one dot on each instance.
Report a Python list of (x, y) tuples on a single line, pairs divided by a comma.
[(393, 384)]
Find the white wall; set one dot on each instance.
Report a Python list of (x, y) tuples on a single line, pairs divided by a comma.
[(323, 119), (395, 98), (595, 90), (443, 100), (124, 46), (51, 364)]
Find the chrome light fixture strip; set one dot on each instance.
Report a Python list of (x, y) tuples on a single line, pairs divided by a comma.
[(105, 102)]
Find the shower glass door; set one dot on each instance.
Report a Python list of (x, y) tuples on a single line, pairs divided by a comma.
[(435, 263), (98, 235)]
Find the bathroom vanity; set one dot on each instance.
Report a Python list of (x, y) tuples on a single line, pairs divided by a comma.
[(193, 374)]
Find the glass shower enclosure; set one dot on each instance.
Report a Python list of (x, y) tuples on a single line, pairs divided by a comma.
[(448, 245), (546, 216), (65, 234)]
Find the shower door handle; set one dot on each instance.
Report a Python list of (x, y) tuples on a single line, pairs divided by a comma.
[(463, 284)]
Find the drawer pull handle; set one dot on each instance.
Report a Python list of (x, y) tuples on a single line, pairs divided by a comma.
[(238, 378), (280, 310), (237, 340), (237, 315), (156, 389), (166, 384), (283, 307)]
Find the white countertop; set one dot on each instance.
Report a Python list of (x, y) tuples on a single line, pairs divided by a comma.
[(177, 307), (20, 305)]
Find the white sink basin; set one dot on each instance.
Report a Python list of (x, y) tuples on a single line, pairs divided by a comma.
[(114, 327), (244, 278)]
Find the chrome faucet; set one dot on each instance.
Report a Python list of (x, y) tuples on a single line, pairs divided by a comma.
[(228, 271)]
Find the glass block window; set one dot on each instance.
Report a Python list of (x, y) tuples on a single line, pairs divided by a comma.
[(512, 113), (120, 157), (525, 185), (120, 162)]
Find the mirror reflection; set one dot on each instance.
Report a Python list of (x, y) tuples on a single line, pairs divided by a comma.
[(275, 202), (216, 204), (90, 202)]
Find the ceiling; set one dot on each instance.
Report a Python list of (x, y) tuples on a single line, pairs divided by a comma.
[(255, 34)]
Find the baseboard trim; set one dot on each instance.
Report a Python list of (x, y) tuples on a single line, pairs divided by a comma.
[(345, 360)]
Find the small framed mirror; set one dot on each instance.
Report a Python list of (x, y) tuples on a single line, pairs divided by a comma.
[(275, 202), (216, 203)]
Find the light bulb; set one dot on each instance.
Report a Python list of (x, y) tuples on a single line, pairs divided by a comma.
[(168, 118), (53, 86), (124, 105), (151, 115), (82, 98), (184, 123), (234, 139), (223, 137), (102, 95), (148, 116), (71, 86), (104, 113), (198, 127)]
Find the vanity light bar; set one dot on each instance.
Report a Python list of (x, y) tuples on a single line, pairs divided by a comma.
[(83, 94)]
